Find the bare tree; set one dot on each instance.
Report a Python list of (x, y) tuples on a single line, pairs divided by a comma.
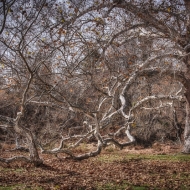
[(95, 62)]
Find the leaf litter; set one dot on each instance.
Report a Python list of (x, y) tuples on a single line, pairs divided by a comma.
[(115, 170)]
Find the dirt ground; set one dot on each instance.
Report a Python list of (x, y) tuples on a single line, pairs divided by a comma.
[(134, 168)]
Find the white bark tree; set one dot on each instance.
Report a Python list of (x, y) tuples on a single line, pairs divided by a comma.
[(86, 58)]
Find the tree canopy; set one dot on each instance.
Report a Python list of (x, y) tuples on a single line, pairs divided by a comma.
[(85, 71)]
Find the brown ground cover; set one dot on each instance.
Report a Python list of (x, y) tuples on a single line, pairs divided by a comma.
[(160, 167)]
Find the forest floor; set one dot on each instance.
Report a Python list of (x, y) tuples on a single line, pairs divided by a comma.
[(134, 168)]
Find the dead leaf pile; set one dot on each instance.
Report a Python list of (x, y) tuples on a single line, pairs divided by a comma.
[(94, 173)]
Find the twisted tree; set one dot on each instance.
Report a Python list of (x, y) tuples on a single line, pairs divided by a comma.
[(99, 65)]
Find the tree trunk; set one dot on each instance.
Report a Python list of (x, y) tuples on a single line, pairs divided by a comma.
[(186, 148), (34, 156)]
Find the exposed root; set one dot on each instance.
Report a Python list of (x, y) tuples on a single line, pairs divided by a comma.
[(14, 159), (36, 163)]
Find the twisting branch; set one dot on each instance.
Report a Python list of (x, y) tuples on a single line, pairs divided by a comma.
[(158, 97), (13, 159)]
